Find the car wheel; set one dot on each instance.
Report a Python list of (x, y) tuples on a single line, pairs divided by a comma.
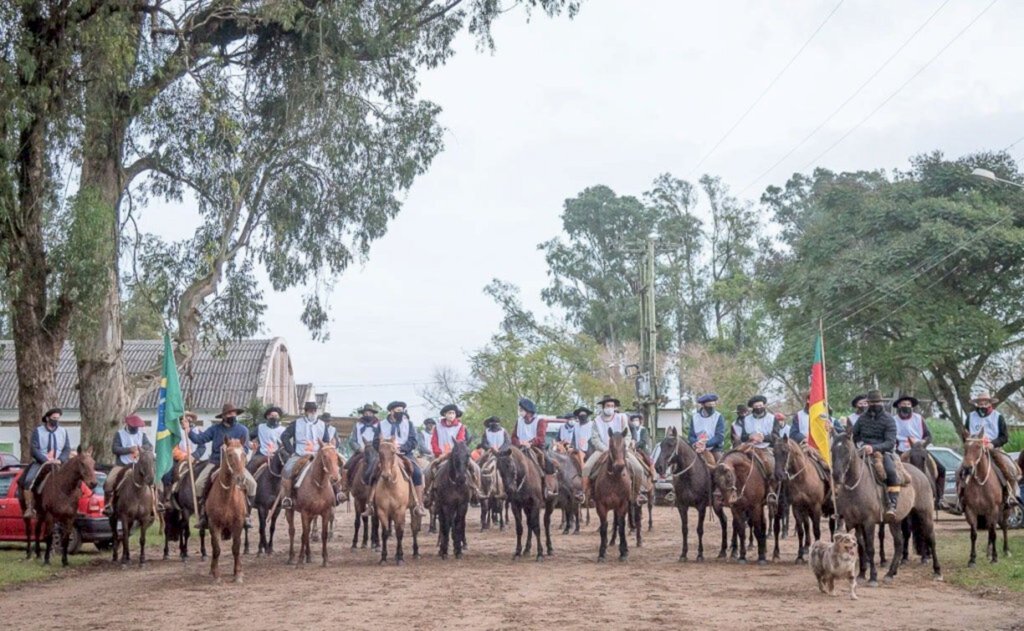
[(1016, 517), (75, 541)]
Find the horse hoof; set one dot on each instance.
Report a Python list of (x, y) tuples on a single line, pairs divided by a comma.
[(872, 583), (444, 557), (623, 558), (239, 579), (741, 561), (540, 558), (601, 559), (682, 559), (700, 558), (800, 561), (203, 558), (216, 580), (971, 564), (888, 580), (458, 555), (416, 556), (995, 561), (382, 562), (762, 562)]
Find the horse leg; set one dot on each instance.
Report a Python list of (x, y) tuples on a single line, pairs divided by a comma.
[(974, 540), (65, 539), (760, 527), (460, 528), (548, 509), (143, 527), (896, 529), (325, 525), (639, 526), (168, 528), (355, 533), (1003, 524), (740, 525), (485, 511), (869, 544), (261, 514), (116, 545), (528, 516), (602, 515), (881, 545), (992, 539), (905, 530), (685, 527), (290, 516), (399, 528), (202, 543), (49, 537), (517, 513), (305, 551), (214, 561), (776, 528), (534, 523), (623, 544), (650, 513), (445, 522), (801, 537), (236, 552), (375, 532), (385, 532), (245, 545), (126, 528)]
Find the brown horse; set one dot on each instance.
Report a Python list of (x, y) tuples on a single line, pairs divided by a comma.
[(360, 493), (225, 506), (134, 505), (747, 502), (809, 496), (394, 496), (314, 497), (691, 485), (612, 489), (492, 493), (860, 503), (524, 486), (56, 503), (982, 497)]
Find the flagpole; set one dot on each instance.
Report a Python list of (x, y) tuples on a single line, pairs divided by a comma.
[(191, 473)]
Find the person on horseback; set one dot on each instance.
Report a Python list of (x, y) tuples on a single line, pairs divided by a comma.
[(638, 433), (530, 435), (737, 425), (495, 438), (611, 419), (301, 440), (50, 445), (450, 431), (216, 434), (266, 437), (364, 433), (126, 445), (801, 429), (426, 437), (991, 426), (860, 406), (397, 426), (707, 429), (875, 432), (179, 455), (910, 426)]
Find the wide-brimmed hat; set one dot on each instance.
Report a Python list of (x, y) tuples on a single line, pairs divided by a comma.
[(190, 414), (707, 398), (857, 399), (396, 404), (757, 398), (273, 408), (913, 401), (874, 396), (528, 405), (982, 395), (368, 408), (134, 420), (429, 421), (609, 399), (451, 407), (52, 411), (309, 406), (229, 409), (326, 416), (492, 419), (582, 410)]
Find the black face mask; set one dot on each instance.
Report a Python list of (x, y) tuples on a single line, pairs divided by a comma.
[(229, 420), (52, 423), (493, 427), (133, 430), (366, 418), (875, 408), (906, 412), (709, 410), (272, 421), (758, 412), (583, 418)]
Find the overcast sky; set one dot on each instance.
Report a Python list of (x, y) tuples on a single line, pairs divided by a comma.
[(626, 91)]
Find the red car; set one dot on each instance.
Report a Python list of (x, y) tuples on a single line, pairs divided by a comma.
[(91, 525)]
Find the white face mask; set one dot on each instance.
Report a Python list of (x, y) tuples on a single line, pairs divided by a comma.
[(608, 411)]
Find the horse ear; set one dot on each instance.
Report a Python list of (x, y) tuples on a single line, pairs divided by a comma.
[(226, 441), (610, 433)]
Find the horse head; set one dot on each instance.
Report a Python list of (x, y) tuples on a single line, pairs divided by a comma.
[(616, 452), (85, 467), (506, 468), (667, 451), (974, 451), (387, 454), (459, 461), (146, 466), (724, 479), (844, 452), (328, 456), (233, 457), (781, 452)]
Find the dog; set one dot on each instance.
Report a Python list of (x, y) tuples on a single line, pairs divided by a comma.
[(838, 559)]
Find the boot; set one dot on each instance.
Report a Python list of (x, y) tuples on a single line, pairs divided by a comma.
[(586, 490), (108, 507), (30, 508), (417, 492), (286, 494), (893, 498), (368, 511), (248, 512)]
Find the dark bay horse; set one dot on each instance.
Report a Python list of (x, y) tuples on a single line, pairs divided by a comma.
[(225, 506), (809, 495), (524, 486), (982, 497), (56, 504), (747, 502), (492, 493), (268, 485), (692, 486), (452, 493), (360, 492), (180, 510), (860, 502), (314, 497), (134, 505), (611, 490), (570, 491)]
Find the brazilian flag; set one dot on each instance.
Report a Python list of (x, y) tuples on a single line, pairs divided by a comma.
[(170, 408)]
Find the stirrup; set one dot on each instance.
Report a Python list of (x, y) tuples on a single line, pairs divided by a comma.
[(287, 503)]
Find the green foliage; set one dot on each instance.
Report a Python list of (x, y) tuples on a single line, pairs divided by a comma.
[(1007, 574)]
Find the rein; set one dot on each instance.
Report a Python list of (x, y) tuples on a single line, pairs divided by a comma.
[(991, 464), (789, 459), (236, 477), (687, 467)]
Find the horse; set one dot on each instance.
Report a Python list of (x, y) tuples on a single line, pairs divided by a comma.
[(692, 486), (452, 493), (180, 511), (611, 491), (570, 491), (524, 486), (225, 506), (860, 502), (746, 503), (982, 497), (492, 493), (268, 485), (392, 497), (134, 505), (919, 456), (809, 495), (314, 497), (56, 503), (360, 493)]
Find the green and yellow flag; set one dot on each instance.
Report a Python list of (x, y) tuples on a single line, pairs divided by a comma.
[(170, 408)]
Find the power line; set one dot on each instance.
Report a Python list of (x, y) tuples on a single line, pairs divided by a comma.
[(771, 84), (850, 98)]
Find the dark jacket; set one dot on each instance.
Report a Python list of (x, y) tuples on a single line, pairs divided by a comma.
[(876, 429), (641, 438), (215, 435)]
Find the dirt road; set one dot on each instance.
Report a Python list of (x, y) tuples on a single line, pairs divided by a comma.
[(487, 590)]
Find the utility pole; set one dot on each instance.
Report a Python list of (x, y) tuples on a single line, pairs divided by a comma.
[(647, 380)]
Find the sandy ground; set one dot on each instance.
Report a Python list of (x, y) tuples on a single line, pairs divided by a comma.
[(488, 590)]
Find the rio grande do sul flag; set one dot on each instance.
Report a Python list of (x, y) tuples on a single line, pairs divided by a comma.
[(818, 411), (169, 409)]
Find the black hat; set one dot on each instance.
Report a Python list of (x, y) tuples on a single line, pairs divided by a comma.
[(368, 408), (528, 405), (493, 419), (609, 399), (229, 409), (634, 415), (309, 406), (874, 396), (913, 401), (451, 407), (857, 399), (52, 411), (326, 416), (396, 404), (582, 410), (429, 421), (758, 398), (273, 408)]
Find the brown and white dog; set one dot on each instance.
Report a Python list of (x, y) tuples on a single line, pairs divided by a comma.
[(838, 559)]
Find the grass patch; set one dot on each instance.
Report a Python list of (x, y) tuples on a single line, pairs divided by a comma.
[(944, 434), (1007, 574)]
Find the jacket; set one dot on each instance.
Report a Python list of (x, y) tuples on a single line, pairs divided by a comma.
[(215, 435), (877, 430)]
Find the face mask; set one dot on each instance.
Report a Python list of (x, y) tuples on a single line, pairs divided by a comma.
[(709, 409), (608, 411), (229, 420), (583, 418), (367, 418), (758, 412), (906, 412), (875, 408), (52, 423), (133, 430), (983, 411), (272, 421)]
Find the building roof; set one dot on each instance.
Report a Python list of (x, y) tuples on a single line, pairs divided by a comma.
[(304, 393), (241, 371)]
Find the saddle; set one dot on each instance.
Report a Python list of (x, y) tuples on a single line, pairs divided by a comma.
[(760, 459), (43, 476), (879, 468), (820, 466), (301, 470)]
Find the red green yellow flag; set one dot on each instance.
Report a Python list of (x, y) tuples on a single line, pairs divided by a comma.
[(818, 411)]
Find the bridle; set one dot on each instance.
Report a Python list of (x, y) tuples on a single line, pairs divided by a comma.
[(237, 478), (323, 464), (846, 473), (991, 465), (789, 459)]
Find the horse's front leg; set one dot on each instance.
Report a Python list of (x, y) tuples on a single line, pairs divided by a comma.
[(236, 552), (518, 514), (602, 516), (325, 525), (290, 516), (143, 527), (623, 544), (896, 529), (547, 527), (639, 526), (215, 560)]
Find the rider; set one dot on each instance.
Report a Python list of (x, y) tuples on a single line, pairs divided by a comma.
[(364, 433), (860, 406), (397, 426), (126, 445), (530, 434), (611, 420), (758, 432), (450, 431), (875, 431), (216, 434), (638, 433), (302, 438), (182, 451), (737, 425), (991, 426), (50, 444), (495, 438), (425, 438), (576, 430), (266, 437), (707, 429), (910, 426)]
